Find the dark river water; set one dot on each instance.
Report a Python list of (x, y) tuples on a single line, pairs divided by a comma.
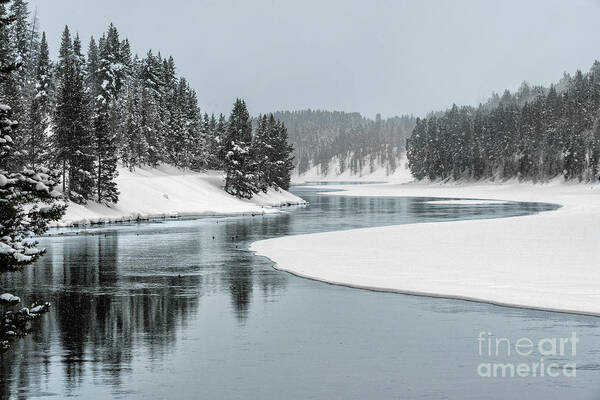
[(179, 309)]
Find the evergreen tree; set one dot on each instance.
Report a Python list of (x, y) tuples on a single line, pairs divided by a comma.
[(193, 125), (20, 30), (150, 126), (239, 165), (35, 130), (29, 201), (23, 36), (106, 124), (73, 145), (136, 147), (65, 53), (272, 154), (261, 151), (92, 68), (281, 158), (217, 142)]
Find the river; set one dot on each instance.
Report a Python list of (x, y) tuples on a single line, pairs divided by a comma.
[(173, 309)]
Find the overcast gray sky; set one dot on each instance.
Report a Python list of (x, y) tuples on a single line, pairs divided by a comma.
[(392, 57)]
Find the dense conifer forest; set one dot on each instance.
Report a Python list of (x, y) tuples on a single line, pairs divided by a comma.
[(535, 134), (355, 142)]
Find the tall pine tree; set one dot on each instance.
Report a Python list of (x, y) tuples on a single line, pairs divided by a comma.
[(238, 160), (37, 141), (72, 139), (105, 125), (29, 201)]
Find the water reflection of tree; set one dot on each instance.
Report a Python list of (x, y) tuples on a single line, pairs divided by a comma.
[(238, 272), (242, 270), (116, 295), (102, 318), (25, 364), (73, 305)]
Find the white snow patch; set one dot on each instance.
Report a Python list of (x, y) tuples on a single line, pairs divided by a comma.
[(545, 261), (170, 192), (36, 309), (378, 174), (9, 298), (465, 202)]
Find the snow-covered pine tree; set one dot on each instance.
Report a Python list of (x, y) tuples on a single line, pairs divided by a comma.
[(105, 122), (211, 129), (126, 60), (20, 30), (72, 138), (24, 36), (65, 52), (152, 107), (150, 126), (261, 151), (10, 92), (36, 131), (272, 154), (44, 82), (135, 148), (193, 131), (218, 137), (91, 69), (282, 161), (172, 112), (29, 201), (239, 165)]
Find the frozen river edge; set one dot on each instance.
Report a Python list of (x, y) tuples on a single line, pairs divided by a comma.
[(546, 261)]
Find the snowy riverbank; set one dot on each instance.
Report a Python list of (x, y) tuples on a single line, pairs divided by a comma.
[(169, 192), (381, 173), (545, 261)]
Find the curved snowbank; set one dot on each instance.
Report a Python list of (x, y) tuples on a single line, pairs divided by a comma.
[(546, 261), (171, 192)]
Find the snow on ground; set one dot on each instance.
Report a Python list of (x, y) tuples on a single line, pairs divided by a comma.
[(9, 298), (379, 174), (465, 202), (167, 192), (550, 260)]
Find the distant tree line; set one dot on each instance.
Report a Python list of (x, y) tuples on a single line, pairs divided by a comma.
[(356, 143), (535, 134), (68, 125)]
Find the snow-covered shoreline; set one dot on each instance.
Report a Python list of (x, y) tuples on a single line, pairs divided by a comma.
[(381, 173), (170, 192), (545, 261)]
